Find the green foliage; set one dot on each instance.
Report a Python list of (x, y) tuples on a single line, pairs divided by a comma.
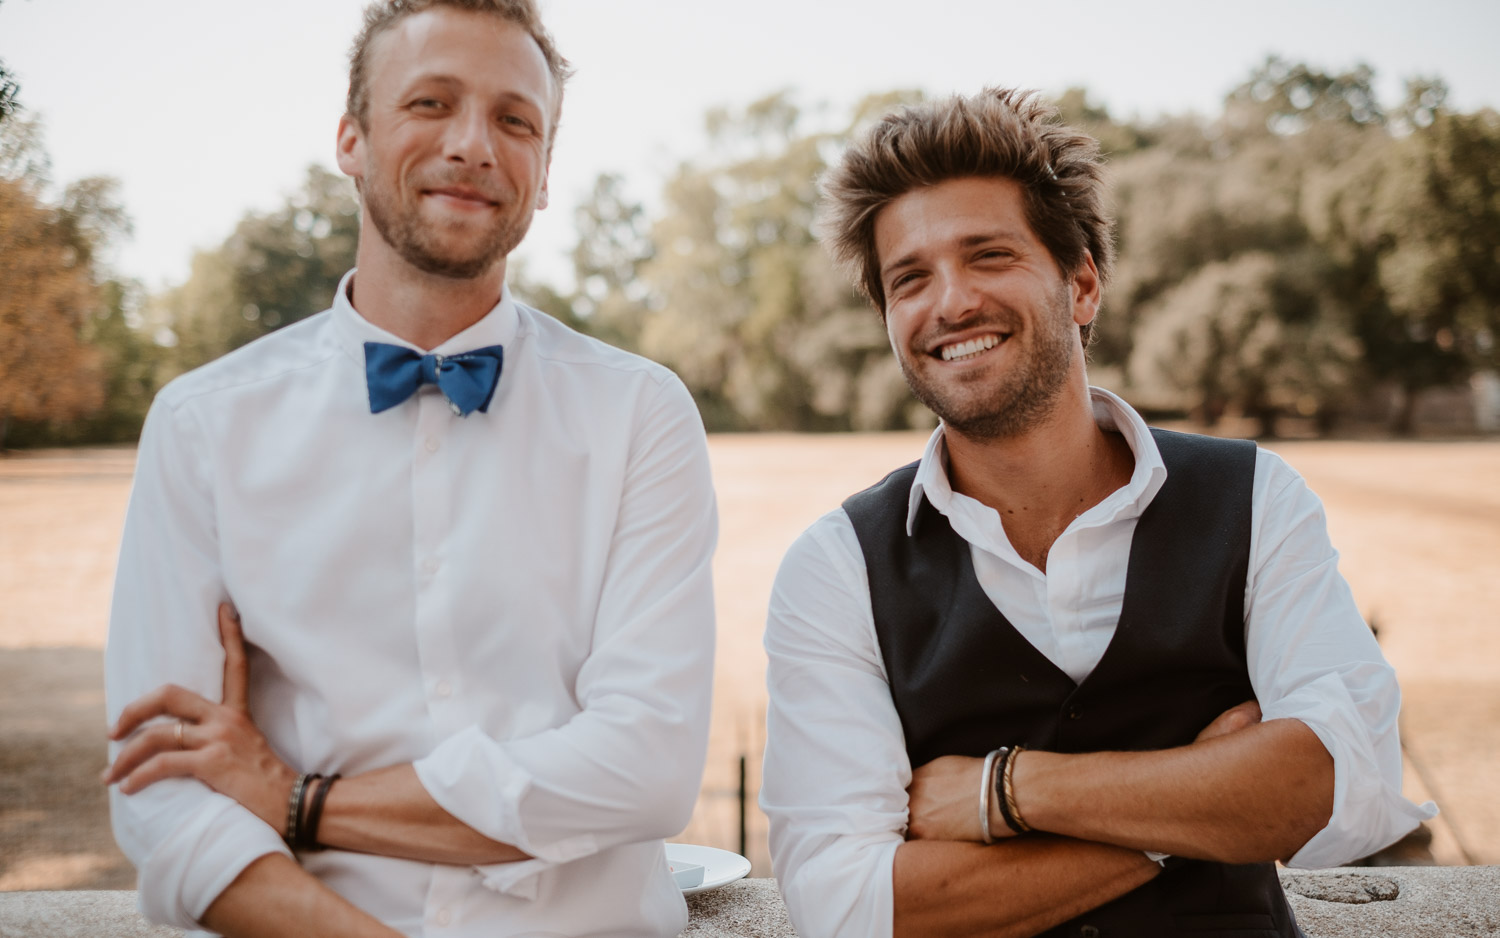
[(1306, 194), (614, 242), (1259, 333), (275, 269), (10, 90), (732, 291)]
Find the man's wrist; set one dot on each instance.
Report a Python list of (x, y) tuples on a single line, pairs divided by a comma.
[(1004, 818)]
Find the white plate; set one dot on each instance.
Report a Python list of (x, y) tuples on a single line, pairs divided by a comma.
[(720, 867)]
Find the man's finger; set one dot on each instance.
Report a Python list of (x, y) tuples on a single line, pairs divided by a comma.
[(168, 700), (236, 663), (160, 766), (159, 738)]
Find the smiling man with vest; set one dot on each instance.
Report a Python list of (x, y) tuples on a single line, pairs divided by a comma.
[(1067, 674)]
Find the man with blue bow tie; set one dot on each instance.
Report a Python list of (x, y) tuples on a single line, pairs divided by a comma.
[(459, 557)]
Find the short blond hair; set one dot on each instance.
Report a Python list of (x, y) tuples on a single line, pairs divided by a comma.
[(998, 132), (385, 14)]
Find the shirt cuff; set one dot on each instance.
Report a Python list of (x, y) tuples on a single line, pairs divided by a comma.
[(202, 858), (473, 778), (1369, 811)]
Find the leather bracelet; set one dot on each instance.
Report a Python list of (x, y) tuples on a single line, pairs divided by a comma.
[(1008, 808), (294, 808), (986, 782), (308, 832)]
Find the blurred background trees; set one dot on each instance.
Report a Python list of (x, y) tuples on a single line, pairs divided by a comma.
[(1308, 252), (56, 304)]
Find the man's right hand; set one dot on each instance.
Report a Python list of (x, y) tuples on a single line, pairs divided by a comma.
[(1232, 720)]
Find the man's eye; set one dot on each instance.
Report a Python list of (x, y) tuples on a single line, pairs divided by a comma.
[(427, 104)]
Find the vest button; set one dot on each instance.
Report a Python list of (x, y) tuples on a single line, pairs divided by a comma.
[(1073, 715), (1088, 931)]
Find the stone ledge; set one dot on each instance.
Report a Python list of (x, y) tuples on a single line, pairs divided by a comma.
[(1375, 902)]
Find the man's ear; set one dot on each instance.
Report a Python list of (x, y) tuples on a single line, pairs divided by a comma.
[(1085, 291), (350, 148), (541, 197)]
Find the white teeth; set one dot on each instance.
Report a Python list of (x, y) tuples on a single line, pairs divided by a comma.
[(969, 348)]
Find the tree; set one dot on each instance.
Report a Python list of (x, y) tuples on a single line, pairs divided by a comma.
[(274, 269), (10, 89), (48, 252), (1258, 334), (1414, 220), (614, 243), (744, 304), (1288, 98)]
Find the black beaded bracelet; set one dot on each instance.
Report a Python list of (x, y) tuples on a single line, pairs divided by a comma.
[(293, 833), (308, 832), (1003, 803)]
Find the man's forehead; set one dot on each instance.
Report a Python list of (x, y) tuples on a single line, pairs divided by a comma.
[(960, 213), (466, 46)]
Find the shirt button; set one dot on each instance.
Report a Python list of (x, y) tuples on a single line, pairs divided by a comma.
[(432, 444), (443, 689), (429, 565), (1088, 931), (442, 917)]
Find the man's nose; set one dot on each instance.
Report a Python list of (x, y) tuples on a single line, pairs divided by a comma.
[(468, 139), (957, 296)]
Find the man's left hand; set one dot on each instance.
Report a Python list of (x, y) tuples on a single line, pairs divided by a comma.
[(943, 801), (216, 743)]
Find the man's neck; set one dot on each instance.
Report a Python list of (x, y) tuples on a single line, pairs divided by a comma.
[(1040, 480), (424, 309)]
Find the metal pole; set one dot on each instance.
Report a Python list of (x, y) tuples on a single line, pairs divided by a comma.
[(744, 842)]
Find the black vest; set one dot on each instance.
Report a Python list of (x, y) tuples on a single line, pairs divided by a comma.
[(965, 681)]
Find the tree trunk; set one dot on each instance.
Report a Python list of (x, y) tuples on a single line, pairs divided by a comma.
[(1265, 418), (1403, 424)]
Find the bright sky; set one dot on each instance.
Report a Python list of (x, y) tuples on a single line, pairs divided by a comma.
[(207, 108)]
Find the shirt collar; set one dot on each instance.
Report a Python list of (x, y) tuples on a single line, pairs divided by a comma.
[(497, 327), (1110, 413)]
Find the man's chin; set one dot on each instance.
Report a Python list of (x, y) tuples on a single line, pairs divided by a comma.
[(457, 258), (453, 268)]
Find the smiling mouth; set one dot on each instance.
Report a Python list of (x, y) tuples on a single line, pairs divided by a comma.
[(971, 348), (471, 198)]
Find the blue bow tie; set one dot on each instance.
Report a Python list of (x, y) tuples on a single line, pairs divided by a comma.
[(467, 379)]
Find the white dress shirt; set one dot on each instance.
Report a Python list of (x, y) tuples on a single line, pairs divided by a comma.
[(836, 767), (519, 602)]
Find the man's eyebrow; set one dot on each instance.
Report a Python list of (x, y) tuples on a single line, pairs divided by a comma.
[(985, 237), (893, 266), (434, 78)]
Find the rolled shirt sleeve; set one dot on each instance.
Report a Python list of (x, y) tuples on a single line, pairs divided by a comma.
[(1312, 658), (836, 768), (627, 767), (187, 842)]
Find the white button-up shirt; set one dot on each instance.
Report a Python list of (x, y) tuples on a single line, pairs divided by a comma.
[(519, 602), (836, 767)]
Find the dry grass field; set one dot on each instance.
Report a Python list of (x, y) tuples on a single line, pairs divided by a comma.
[(1418, 525)]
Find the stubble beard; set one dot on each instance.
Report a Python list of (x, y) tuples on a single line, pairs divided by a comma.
[(414, 239), (1024, 396)]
